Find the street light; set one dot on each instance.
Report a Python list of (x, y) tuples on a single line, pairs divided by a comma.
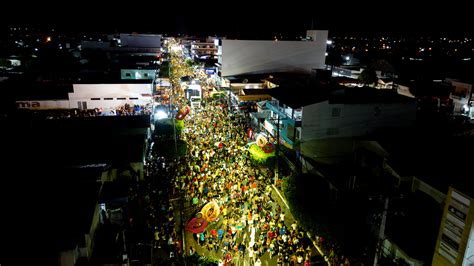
[(160, 114)]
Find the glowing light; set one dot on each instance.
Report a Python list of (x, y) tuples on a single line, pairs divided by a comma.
[(466, 108), (160, 115)]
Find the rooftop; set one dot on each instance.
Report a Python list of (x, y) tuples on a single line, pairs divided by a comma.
[(256, 91), (248, 78), (299, 96), (440, 162), (363, 95)]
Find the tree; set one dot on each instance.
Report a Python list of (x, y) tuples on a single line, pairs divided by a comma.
[(368, 76)]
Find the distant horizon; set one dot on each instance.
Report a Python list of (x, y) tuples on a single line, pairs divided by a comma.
[(413, 20), (241, 32)]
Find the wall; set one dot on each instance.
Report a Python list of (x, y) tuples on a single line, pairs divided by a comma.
[(240, 57), (461, 95), (139, 74), (404, 90), (112, 174), (469, 254), (391, 249), (140, 40), (67, 258), (85, 92), (353, 119), (418, 184), (95, 45), (51, 104), (90, 237)]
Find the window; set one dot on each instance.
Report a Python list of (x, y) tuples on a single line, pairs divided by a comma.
[(133, 98), (128, 75), (95, 99), (145, 75), (121, 98), (336, 112), (108, 99)]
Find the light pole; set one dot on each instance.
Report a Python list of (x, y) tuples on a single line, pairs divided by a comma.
[(383, 221), (381, 234)]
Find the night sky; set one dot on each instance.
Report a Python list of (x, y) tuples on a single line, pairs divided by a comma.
[(241, 19)]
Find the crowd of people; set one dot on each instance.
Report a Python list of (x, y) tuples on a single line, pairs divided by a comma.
[(151, 216), (122, 110), (216, 168), (160, 215)]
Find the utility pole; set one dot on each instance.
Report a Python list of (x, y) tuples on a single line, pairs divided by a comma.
[(381, 236)]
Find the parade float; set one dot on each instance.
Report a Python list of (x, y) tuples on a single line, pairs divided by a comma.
[(179, 118), (261, 150)]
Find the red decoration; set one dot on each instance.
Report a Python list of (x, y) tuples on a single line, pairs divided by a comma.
[(183, 112), (268, 148), (197, 225)]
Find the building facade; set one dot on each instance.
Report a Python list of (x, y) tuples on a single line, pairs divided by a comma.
[(248, 56)]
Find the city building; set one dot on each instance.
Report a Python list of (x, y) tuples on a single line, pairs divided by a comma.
[(205, 50), (246, 90), (461, 95), (105, 97), (429, 168), (253, 57), (140, 40), (321, 112)]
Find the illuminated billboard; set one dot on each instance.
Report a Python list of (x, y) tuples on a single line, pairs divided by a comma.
[(456, 231)]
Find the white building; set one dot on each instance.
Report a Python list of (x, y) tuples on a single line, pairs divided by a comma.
[(110, 96), (90, 96), (318, 115), (253, 57), (461, 96)]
